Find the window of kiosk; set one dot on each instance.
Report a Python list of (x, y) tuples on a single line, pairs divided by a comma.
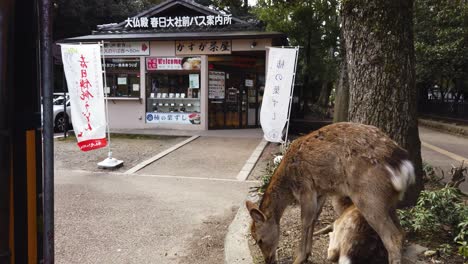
[(174, 94), (123, 77)]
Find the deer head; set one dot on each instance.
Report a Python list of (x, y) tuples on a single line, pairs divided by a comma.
[(265, 232)]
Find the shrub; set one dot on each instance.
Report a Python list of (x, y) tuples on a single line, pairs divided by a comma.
[(270, 169), (439, 212)]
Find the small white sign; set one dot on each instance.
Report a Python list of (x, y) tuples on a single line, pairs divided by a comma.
[(136, 87), (248, 83), (122, 80), (126, 48), (194, 81), (173, 118)]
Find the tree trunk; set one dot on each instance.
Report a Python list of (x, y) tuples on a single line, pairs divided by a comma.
[(380, 59), (324, 96), (342, 90)]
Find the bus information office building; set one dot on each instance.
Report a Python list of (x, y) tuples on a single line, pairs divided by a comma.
[(181, 65)]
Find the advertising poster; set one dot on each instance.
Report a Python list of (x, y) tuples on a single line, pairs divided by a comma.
[(216, 85), (194, 81), (172, 63), (83, 71)]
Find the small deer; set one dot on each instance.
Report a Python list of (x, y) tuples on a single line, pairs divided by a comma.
[(354, 241), (344, 161)]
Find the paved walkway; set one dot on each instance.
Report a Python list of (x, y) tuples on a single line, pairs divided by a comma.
[(175, 210), (442, 150)]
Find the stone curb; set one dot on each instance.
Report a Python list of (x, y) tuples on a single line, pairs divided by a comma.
[(236, 245), (453, 129), (250, 163)]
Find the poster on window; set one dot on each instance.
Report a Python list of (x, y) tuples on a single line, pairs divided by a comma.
[(278, 87), (216, 85), (173, 63), (83, 72), (173, 118), (194, 81)]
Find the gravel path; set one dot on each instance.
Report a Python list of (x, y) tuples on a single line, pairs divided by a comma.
[(131, 149)]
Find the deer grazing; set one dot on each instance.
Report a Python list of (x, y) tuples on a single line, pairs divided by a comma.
[(345, 161)]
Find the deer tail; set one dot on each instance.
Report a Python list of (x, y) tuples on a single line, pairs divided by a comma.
[(402, 177)]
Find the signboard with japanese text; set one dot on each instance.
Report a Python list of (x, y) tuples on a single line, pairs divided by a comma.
[(126, 48), (122, 64), (178, 21), (203, 47), (172, 63), (83, 71), (216, 85), (276, 98), (173, 118)]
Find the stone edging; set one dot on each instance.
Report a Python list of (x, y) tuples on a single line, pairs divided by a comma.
[(236, 244), (453, 129)]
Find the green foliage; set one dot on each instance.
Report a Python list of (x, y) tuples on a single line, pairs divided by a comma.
[(439, 213), (238, 8), (270, 169), (266, 177), (313, 25), (441, 38), (462, 238), (79, 17), (429, 174)]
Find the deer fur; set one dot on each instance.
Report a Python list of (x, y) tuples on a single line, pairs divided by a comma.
[(354, 241), (348, 162)]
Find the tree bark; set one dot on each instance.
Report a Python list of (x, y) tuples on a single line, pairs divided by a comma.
[(378, 37), (342, 90)]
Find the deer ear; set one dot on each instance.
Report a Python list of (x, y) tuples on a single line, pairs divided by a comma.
[(255, 213)]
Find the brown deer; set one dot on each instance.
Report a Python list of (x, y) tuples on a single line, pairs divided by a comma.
[(354, 241), (344, 161)]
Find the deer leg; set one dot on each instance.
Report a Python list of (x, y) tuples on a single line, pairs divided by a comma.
[(378, 214), (309, 208), (320, 202)]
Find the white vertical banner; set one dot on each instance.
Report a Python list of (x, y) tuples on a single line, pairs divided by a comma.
[(276, 98), (83, 71)]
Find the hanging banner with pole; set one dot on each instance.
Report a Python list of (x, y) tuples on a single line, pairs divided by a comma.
[(83, 71), (277, 97)]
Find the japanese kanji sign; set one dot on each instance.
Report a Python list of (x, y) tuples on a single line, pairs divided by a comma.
[(178, 21), (83, 71), (203, 47), (173, 118), (276, 98), (126, 48)]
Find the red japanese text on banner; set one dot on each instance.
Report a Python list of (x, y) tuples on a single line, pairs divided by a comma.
[(83, 71)]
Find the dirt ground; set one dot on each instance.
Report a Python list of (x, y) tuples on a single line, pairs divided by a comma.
[(290, 227), (69, 156), (207, 245)]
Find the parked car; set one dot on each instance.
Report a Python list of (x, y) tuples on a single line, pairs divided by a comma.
[(61, 118)]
